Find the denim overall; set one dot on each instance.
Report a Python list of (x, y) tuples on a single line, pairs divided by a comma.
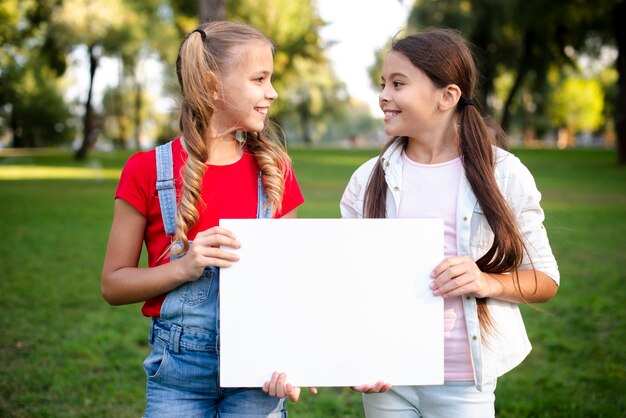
[(183, 367)]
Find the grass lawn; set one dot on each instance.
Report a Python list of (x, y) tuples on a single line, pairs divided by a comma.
[(66, 353)]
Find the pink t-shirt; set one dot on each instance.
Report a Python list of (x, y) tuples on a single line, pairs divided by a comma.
[(430, 191)]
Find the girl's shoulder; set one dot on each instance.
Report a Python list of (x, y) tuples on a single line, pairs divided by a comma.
[(142, 164), (362, 174), (511, 172), (140, 161), (506, 161)]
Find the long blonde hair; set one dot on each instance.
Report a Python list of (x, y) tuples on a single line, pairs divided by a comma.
[(203, 54)]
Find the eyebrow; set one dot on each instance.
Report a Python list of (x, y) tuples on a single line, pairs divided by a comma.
[(392, 75), (261, 72)]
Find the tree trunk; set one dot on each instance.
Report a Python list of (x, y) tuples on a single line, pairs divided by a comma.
[(16, 129), (138, 106), (619, 17), (305, 124), (88, 124), (210, 10), (522, 71), (486, 64)]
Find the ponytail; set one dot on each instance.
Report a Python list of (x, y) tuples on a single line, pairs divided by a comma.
[(202, 54), (375, 199), (198, 84), (476, 146), (268, 149)]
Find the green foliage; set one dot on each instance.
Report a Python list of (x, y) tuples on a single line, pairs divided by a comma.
[(578, 104), (66, 353), (311, 95), (36, 111), (302, 74), (523, 41), (356, 121), (32, 111)]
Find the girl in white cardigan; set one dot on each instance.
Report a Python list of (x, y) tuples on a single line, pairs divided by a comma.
[(443, 161)]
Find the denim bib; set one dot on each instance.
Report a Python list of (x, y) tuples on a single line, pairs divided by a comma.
[(194, 304), (183, 372)]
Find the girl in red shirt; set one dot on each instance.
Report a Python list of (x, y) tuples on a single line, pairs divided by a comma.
[(227, 164)]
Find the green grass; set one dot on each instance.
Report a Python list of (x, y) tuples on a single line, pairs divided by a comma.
[(66, 353)]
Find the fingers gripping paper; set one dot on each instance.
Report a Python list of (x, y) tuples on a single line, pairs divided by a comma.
[(332, 302)]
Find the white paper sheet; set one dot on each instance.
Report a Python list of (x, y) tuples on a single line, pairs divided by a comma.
[(332, 302)]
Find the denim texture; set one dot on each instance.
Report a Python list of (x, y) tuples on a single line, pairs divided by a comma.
[(183, 367)]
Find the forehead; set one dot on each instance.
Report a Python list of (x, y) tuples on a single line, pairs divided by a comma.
[(397, 62), (251, 56)]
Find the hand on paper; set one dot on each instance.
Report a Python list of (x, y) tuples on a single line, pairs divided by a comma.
[(279, 388), (377, 387), (205, 251), (456, 276)]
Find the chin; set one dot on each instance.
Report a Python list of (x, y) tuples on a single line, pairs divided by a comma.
[(254, 127), (390, 132)]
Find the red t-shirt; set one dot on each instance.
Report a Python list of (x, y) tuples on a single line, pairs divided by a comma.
[(228, 191)]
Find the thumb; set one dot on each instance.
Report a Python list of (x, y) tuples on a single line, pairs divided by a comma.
[(293, 393)]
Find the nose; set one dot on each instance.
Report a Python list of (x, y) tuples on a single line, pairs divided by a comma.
[(271, 93), (382, 98)]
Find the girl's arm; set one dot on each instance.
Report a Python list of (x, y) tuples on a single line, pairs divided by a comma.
[(123, 282), (457, 276), (538, 275)]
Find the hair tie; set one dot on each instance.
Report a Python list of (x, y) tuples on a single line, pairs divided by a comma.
[(201, 32), (466, 102)]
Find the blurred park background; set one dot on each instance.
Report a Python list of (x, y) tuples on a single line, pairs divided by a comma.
[(553, 73)]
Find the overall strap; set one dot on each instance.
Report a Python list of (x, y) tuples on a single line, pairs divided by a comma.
[(263, 212), (166, 187)]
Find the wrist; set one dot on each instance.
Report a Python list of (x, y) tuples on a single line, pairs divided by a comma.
[(493, 286), (180, 273), (497, 285)]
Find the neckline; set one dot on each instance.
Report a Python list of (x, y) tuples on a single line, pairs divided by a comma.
[(406, 159), (224, 166)]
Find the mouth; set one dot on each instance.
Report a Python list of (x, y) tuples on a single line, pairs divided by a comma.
[(262, 110), (389, 114)]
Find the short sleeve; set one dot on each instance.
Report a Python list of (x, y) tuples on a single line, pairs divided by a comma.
[(137, 181), (292, 195)]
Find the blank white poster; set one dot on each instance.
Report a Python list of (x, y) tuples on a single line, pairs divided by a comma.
[(332, 302)]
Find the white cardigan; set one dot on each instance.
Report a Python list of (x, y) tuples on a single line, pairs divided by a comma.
[(509, 344)]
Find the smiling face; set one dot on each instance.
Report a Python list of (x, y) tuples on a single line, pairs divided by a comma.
[(246, 89), (408, 98)]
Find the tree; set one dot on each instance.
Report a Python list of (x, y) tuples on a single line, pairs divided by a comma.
[(577, 105), (26, 80), (151, 35), (39, 116), (102, 26), (619, 17), (313, 94), (293, 25), (529, 36), (209, 10), (302, 73)]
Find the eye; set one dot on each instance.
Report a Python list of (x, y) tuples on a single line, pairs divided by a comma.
[(397, 83), (382, 86)]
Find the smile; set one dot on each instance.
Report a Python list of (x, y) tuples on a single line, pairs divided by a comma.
[(262, 110), (390, 114)]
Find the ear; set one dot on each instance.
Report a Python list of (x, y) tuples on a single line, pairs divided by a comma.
[(451, 94)]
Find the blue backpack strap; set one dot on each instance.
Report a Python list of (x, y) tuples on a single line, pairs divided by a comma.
[(166, 187), (262, 212)]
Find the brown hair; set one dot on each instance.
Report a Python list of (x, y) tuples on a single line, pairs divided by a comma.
[(443, 55), (203, 54)]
